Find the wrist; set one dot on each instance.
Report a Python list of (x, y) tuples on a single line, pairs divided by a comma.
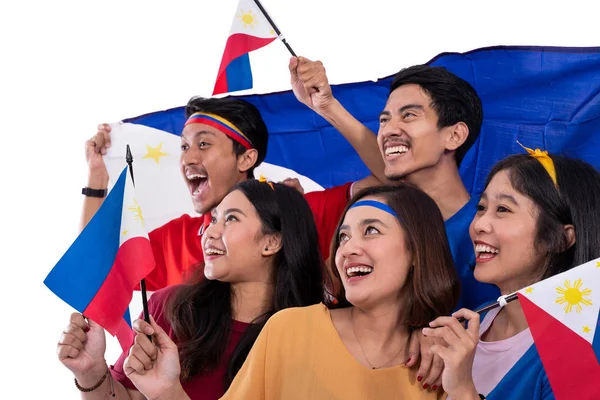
[(175, 392), (467, 392), (331, 110), (92, 376), (97, 179)]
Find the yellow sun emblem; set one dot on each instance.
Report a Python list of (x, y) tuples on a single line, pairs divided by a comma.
[(248, 19), (137, 212), (573, 296)]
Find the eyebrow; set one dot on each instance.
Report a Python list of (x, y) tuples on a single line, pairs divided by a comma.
[(502, 196), (229, 210), (404, 108), (364, 222), (237, 210), (204, 132), (196, 134)]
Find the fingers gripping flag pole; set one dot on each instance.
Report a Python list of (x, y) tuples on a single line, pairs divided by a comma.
[(99, 272)]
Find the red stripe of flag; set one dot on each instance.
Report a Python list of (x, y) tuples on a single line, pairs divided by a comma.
[(133, 262), (237, 44), (569, 360), (124, 335)]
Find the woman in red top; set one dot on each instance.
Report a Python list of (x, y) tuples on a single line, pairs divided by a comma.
[(261, 255)]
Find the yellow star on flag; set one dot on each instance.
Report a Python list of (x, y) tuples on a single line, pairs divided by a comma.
[(155, 152), (597, 264), (137, 211), (586, 329), (125, 232), (529, 290)]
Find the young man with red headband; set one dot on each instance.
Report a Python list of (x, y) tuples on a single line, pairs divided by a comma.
[(223, 140)]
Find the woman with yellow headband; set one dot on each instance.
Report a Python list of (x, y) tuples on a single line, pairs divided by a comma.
[(261, 255), (538, 216)]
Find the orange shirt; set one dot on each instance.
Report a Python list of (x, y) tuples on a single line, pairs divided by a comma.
[(300, 355)]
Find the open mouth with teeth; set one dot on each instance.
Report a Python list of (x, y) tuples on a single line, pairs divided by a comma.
[(396, 150), (485, 252), (355, 273), (212, 252), (197, 183)]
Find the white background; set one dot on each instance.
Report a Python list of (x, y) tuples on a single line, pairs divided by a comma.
[(66, 66)]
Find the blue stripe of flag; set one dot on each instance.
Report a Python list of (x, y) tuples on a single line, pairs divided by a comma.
[(80, 273), (239, 74), (545, 97)]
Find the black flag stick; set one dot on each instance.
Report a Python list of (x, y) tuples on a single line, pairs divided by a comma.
[(489, 307), (129, 159), (275, 28)]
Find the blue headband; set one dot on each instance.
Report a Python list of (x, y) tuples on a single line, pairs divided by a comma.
[(376, 204)]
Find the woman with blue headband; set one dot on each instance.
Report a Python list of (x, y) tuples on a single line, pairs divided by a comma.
[(393, 259), (394, 262)]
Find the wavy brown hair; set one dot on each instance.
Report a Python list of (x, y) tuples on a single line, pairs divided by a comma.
[(432, 285)]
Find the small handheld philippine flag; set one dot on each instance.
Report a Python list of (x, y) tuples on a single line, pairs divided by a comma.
[(562, 314), (250, 31), (99, 272)]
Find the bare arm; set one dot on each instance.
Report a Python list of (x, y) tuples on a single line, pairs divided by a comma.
[(311, 87), (95, 148)]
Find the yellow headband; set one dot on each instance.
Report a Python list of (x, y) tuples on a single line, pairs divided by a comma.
[(264, 180), (545, 160)]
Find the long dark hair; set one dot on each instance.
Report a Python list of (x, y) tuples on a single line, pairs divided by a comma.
[(201, 314), (432, 286), (575, 201)]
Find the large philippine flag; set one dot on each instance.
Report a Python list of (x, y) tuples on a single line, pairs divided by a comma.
[(250, 31), (562, 313), (99, 272)]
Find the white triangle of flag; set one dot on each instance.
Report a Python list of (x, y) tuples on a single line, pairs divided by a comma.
[(251, 21), (572, 297)]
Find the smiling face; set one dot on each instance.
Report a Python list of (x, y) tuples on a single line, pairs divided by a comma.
[(234, 243), (209, 165), (372, 258), (409, 139), (504, 235)]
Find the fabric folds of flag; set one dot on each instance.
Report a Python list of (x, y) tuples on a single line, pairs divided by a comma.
[(562, 312), (98, 273), (250, 31), (547, 97)]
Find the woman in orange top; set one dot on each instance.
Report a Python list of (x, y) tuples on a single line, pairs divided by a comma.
[(393, 258)]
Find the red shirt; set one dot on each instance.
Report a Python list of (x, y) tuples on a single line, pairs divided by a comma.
[(178, 251), (201, 387)]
